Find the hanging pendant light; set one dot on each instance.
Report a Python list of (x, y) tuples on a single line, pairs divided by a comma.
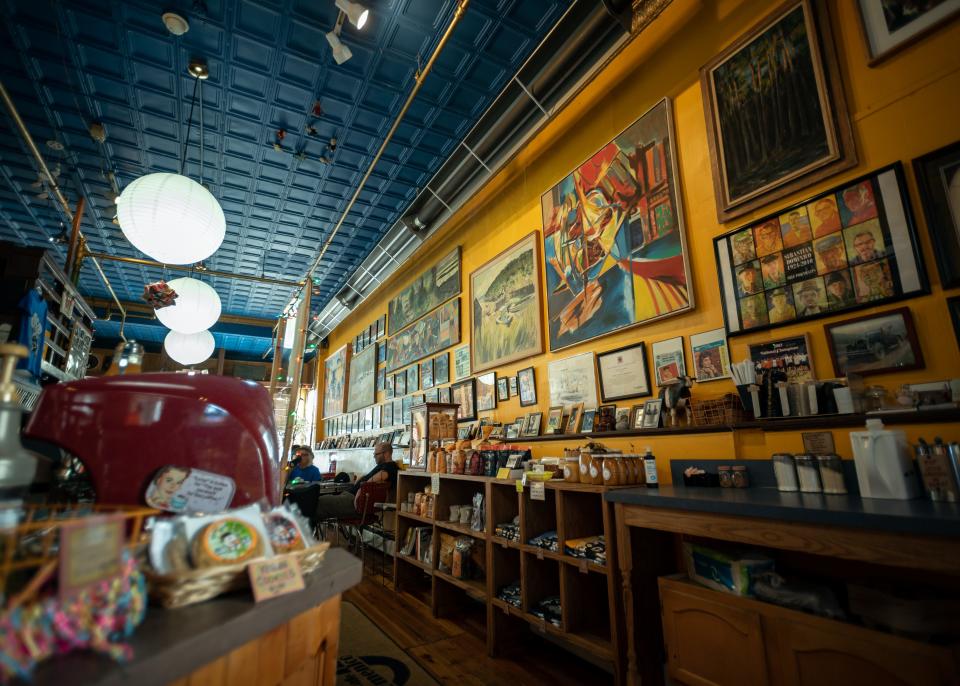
[(197, 308), (189, 348)]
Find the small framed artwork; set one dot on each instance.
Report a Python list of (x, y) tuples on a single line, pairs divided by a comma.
[(381, 379), (387, 415), (623, 419), (527, 387), (555, 419), (938, 176), (636, 421), (889, 27), (514, 388), (575, 418), (413, 379), (465, 432), (953, 304), (623, 373), (464, 394), (486, 391), (711, 359), (432, 395), (791, 356), (398, 412), (443, 394), (651, 413), (419, 399), (461, 362), (400, 384), (407, 405), (381, 352), (586, 425), (503, 389), (498, 432), (513, 432), (376, 417), (382, 326), (426, 374), (573, 380), (368, 419), (441, 369), (532, 426), (876, 343), (388, 386), (669, 363)]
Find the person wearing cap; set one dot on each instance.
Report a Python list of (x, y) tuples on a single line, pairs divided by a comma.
[(747, 280), (830, 254), (781, 309), (772, 268), (839, 292), (810, 301)]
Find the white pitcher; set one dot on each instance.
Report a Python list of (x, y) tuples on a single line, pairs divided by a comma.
[(885, 468)]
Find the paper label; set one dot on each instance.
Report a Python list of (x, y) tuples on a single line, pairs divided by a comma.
[(537, 490), (503, 473), (91, 551), (538, 469), (275, 576), (435, 483), (184, 489), (519, 486), (818, 443)]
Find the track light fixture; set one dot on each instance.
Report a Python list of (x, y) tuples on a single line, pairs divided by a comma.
[(341, 53), (356, 13)]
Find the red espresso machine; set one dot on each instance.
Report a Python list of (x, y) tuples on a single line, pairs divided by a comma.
[(125, 428)]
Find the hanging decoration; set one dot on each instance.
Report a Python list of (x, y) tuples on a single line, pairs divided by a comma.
[(197, 307), (159, 295), (188, 349)]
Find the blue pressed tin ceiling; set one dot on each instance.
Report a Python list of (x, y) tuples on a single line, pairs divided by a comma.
[(73, 63)]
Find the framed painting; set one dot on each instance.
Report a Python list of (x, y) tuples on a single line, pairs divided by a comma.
[(889, 27), (513, 387), (573, 380), (413, 379), (711, 359), (851, 247), (623, 373), (874, 344), (428, 291), (586, 425), (362, 386), (555, 420), (938, 176), (438, 330), (387, 415), (443, 394), (381, 379), (441, 369), (527, 387), (503, 389), (506, 302), (669, 362), (486, 391), (461, 363), (426, 374), (758, 152), (613, 235), (335, 382), (400, 384), (388, 386), (788, 355), (464, 394)]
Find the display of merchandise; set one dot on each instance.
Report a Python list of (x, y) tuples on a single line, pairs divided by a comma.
[(547, 540), (509, 530), (592, 548), (510, 594), (548, 610)]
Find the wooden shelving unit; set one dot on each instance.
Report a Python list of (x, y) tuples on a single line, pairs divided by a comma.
[(591, 625)]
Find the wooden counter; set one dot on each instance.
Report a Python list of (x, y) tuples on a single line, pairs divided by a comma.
[(229, 641), (916, 535)]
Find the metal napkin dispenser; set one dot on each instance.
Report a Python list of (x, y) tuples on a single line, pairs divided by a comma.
[(125, 428)]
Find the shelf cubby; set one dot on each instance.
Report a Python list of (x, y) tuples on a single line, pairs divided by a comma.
[(537, 516)]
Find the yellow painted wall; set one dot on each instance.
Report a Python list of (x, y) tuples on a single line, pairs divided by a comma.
[(902, 108)]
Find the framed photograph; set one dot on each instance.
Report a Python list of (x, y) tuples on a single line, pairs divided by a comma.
[(438, 330), (431, 288), (532, 425), (362, 386), (503, 389), (711, 358), (527, 387), (407, 405), (513, 387), (381, 352), (388, 385), (938, 177), (465, 432), (513, 432), (953, 304), (381, 379), (335, 382), (443, 394), (575, 418), (506, 302), (876, 343), (572, 380), (630, 267), (851, 247), (757, 153), (555, 419), (367, 418), (464, 394), (387, 415), (789, 355), (586, 425), (623, 373), (622, 419), (413, 379), (498, 432), (376, 418), (398, 412), (432, 395), (669, 362), (636, 417), (651, 413), (426, 374), (400, 384), (461, 363), (889, 27), (486, 391), (441, 369)]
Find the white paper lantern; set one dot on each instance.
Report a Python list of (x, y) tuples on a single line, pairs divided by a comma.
[(189, 348), (197, 308), (171, 218)]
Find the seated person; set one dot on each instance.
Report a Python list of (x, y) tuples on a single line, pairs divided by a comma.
[(303, 468), (341, 504)]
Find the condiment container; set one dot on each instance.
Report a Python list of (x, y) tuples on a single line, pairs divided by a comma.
[(610, 475), (571, 470), (596, 470), (725, 475), (831, 474), (808, 474), (623, 475), (786, 472), (741, 478), (585, 468)]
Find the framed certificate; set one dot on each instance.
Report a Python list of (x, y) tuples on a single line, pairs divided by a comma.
[(623, 373)]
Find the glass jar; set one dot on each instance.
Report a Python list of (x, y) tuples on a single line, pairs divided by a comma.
[(741, 477), (786, 472), (831, 474), (609, 468), (623, 476), (596, 470), (585, 468), (808, 474), (571, 470), (726, 476)]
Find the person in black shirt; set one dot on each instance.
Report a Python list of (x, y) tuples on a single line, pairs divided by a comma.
[(341, 504)]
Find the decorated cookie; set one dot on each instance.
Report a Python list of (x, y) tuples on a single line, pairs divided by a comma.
[(284, 533), (224, 542)]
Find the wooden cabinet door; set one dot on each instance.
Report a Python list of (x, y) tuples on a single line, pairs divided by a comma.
[(814, 652), (711, 644)]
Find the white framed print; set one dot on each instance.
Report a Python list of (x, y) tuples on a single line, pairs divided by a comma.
[(573, 380), (891, 26), (669, 363), (711, 357)]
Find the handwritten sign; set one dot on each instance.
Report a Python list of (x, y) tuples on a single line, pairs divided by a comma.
[(275, 576), (435, 483), (818, 442), (91, 551)]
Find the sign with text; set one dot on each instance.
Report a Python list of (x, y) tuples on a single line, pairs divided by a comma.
[(91, 551), (184, 489), (435, 483), (275, 576), (538, 490)]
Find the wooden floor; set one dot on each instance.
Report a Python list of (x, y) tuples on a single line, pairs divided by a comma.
[(455, 652)]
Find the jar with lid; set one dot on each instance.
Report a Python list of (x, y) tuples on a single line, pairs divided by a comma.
[(585, 467), (623, 476), (741, 477), (725, 475), (571, 470), (636, 468), (786, 472), (608, 467), (596, 469), (808, 474), (831, 474)]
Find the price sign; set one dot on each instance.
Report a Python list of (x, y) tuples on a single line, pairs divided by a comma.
[(583, 566), (275, 576), (519, 485), (538, 490), (539, 554), (435, 483)]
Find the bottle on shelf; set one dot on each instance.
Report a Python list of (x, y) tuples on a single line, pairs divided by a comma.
[(650, 469)]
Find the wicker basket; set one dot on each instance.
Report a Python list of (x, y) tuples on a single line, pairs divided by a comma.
[(724, 411), (198, 585)]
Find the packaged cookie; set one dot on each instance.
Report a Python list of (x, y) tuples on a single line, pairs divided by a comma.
[(224, 542), (284, 531)]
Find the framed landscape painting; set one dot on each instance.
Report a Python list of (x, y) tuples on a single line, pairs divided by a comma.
[(505, 301), (892, 25), (788, 128), (335, 382), (613, 236), (438, 330), (429, 290), (361, 390)]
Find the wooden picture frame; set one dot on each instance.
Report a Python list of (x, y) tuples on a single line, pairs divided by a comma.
[(742, 179), (636, 419), (534, 419), (527, 387), (623, 373), (486, 391), (464, 393), (555, 420), (859, 348), (883, 40), (574, 419), (935, 171)]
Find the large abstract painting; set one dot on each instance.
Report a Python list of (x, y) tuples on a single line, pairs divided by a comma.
[(775, 111), (438, 330), (505, 304), (431, 288), (361, 390), (614, 239), (335, 382)]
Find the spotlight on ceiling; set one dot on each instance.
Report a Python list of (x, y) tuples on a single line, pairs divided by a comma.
[(175, 24), (341, 53), (62, 237), (356, 13), (198, 68)]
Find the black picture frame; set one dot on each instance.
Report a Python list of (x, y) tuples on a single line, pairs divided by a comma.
[(470, 414), (441, 369), (527, 380), (934, 171), (893, 221), (641, 346), (503, 389), (953, 304)]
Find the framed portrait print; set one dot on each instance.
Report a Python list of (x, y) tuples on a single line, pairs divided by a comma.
[(938, 176), (503, 389), (464, 394), (850, 247), (441, 369), (527, 387), (669, 363), (711, 359), (513, 388), (891, 26), (876, 343), (623, 373), (486, 391), (759, 154)]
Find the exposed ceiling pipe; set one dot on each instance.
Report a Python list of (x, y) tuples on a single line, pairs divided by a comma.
[(191, 268)]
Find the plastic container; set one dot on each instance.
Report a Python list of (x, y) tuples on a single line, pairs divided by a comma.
[(786, 472), (808, 474), (884, 466), (650, 470)]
